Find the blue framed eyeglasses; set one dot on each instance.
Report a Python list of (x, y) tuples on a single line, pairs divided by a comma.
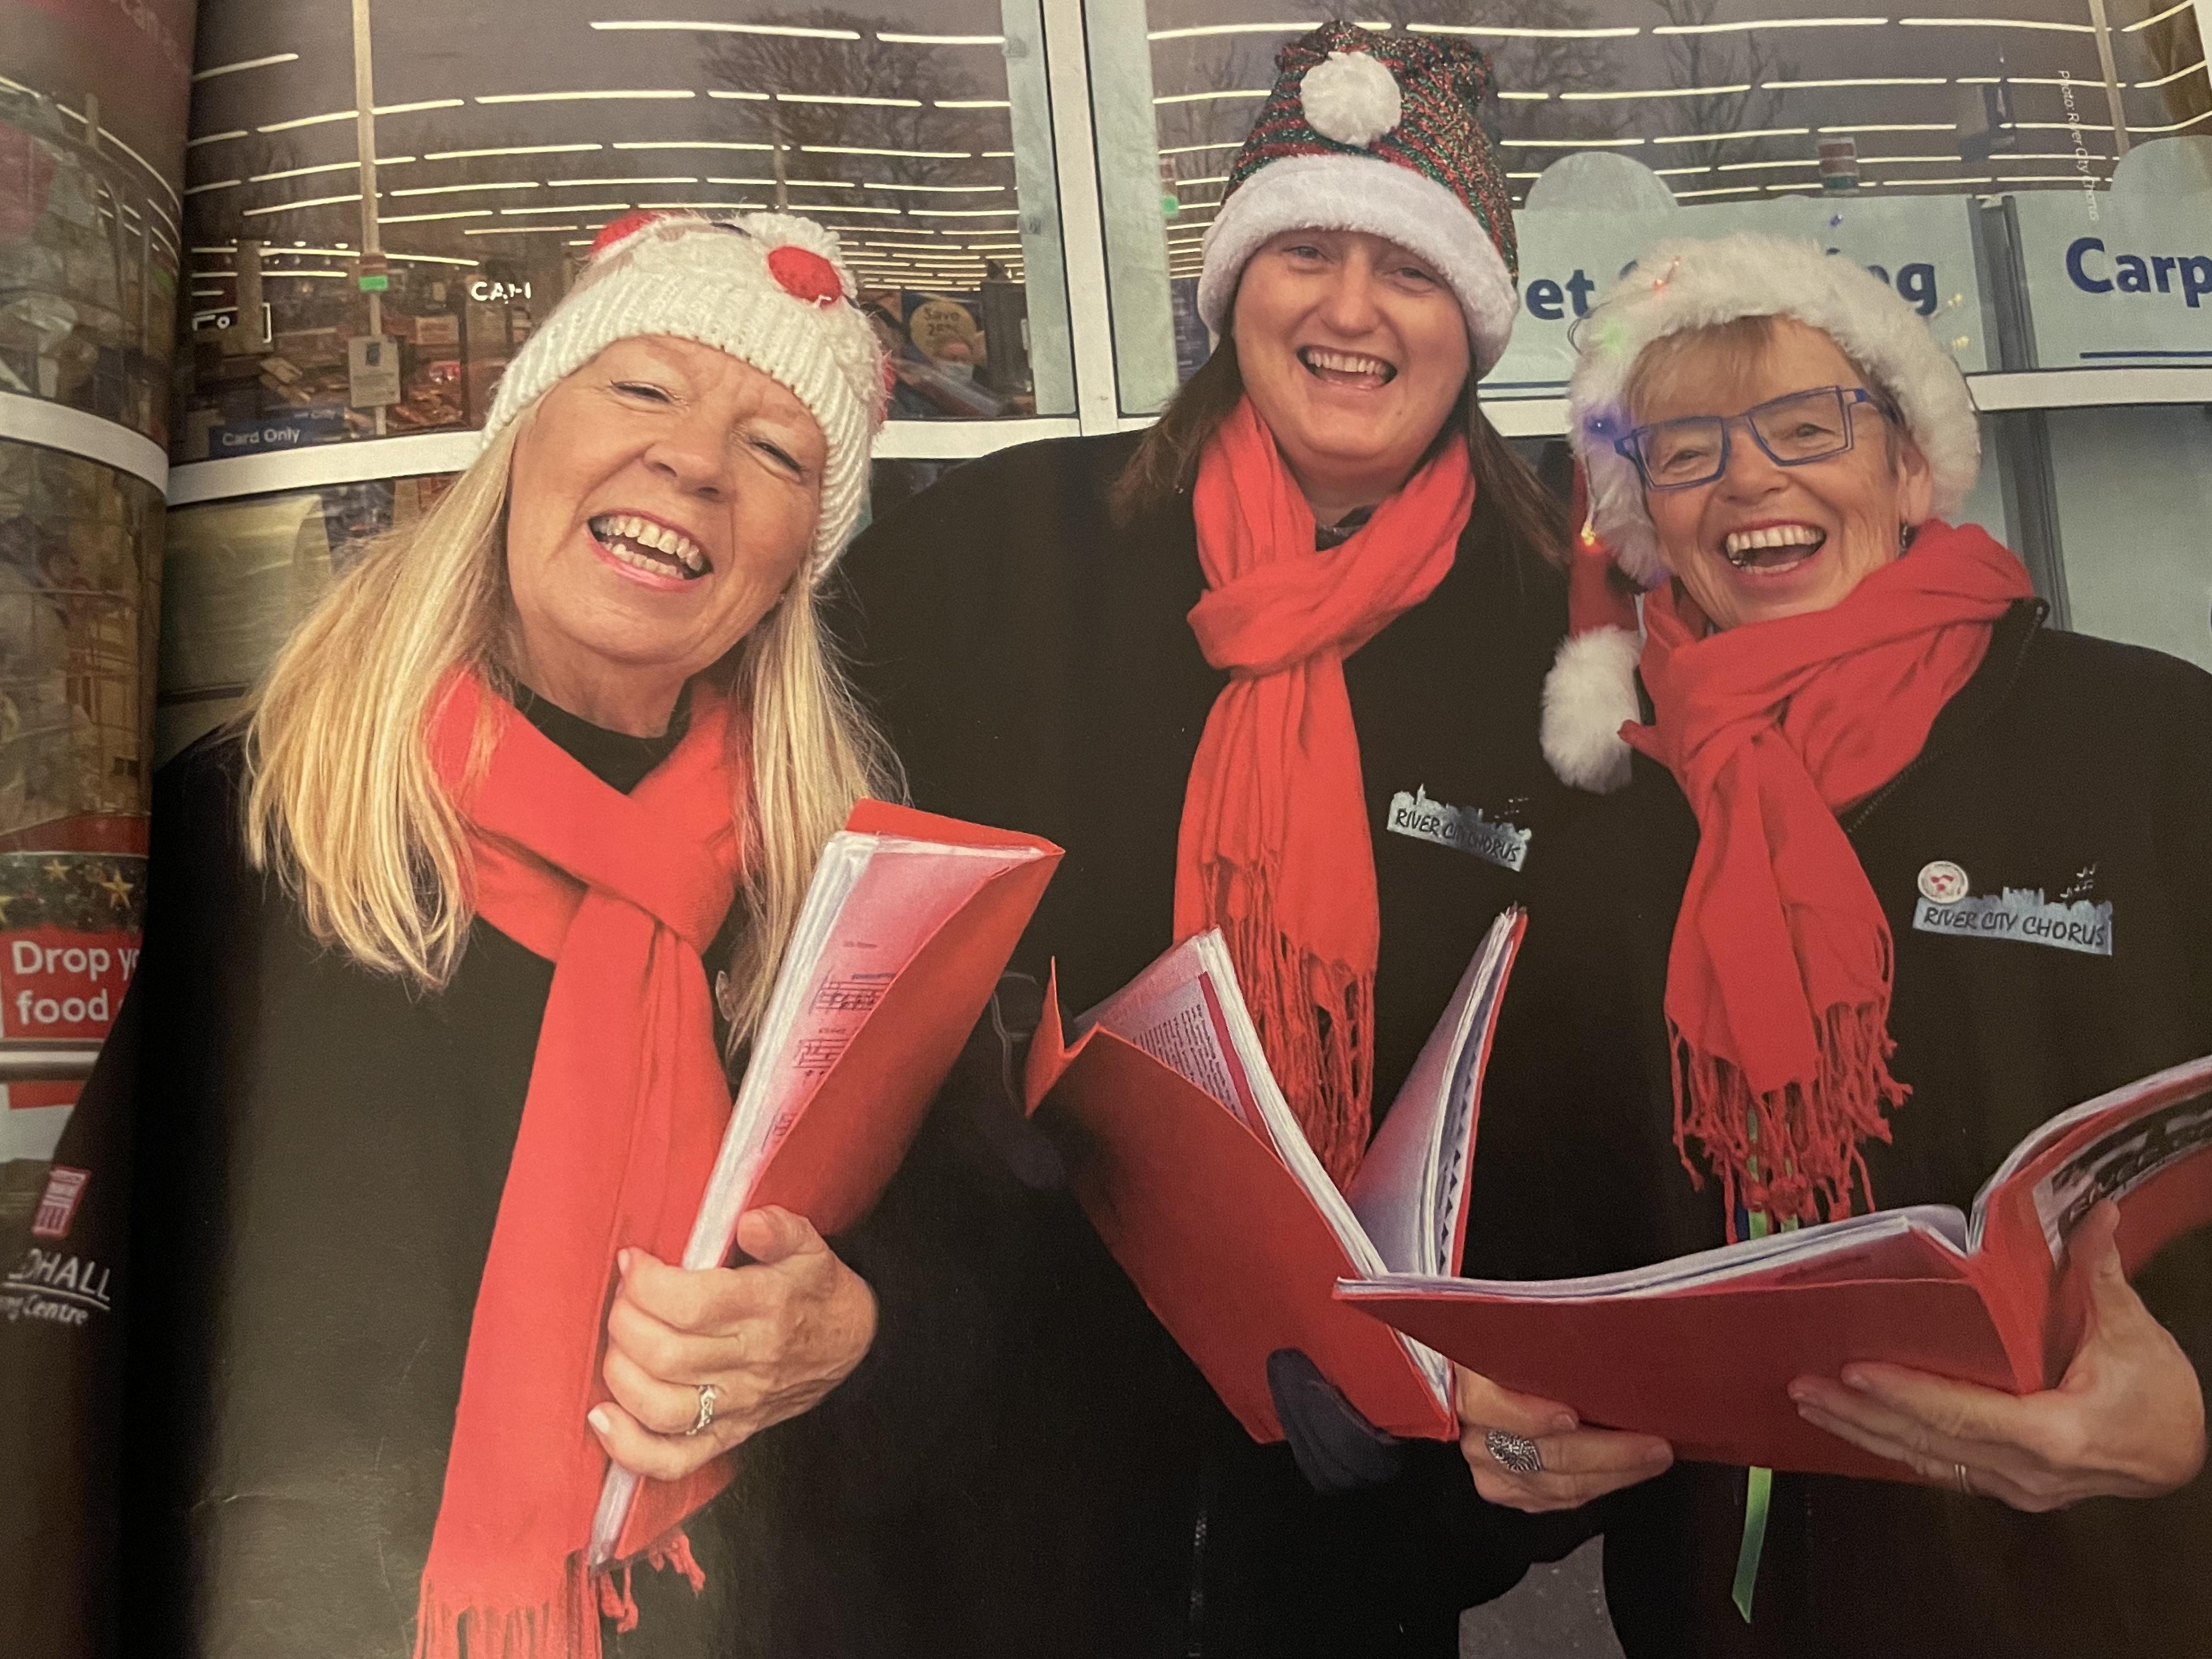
[(1795, 430)]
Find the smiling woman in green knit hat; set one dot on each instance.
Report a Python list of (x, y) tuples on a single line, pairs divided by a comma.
[(1209, 659)]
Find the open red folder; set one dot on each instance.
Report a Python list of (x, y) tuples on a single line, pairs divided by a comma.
[(1701, 1349), (907, 926), (1199, 1179)]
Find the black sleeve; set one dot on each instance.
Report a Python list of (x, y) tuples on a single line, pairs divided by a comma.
[(62, 1314), (1565, 1129), (2177, 1286), (67, 1303), (928, 1253), (2182, 826)]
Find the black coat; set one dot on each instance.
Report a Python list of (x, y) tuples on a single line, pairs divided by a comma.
[(1035, 669), (2069, 764), (292, 1248)]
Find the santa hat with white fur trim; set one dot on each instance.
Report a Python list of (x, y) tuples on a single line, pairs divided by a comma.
[(770, 290), (1377, 133), (1687, 284)]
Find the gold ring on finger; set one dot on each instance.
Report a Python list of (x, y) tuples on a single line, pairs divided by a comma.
[(1514, 1453), (1966, 1477), (704, 1420)]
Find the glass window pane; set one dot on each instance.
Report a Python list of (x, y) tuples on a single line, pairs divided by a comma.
[(1892, 138), (237, 575), (79, 547), (2134, 494), (88, 257), (501, 150)]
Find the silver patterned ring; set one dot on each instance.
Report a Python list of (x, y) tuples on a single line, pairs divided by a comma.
[(1965, 1479), (706, 1418), (1515, 1452)]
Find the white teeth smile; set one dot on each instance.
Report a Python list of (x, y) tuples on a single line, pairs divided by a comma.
[(649, 546), (1348, 362), (1743, 547)]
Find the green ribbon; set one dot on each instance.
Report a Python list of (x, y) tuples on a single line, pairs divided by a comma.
[(1758, 1491), (1758, 1488), (1758, 1484)]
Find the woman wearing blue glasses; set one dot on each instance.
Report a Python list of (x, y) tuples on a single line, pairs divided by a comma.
[(1741, 1007)]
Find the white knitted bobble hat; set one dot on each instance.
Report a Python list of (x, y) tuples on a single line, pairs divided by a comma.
[(1694, 284), (769, 289)]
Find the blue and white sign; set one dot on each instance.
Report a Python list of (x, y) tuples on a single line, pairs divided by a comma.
[(1922, 246), (2118, 280), (294, 430)]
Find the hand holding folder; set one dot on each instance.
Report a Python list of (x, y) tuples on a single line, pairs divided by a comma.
[(907, 925), (1200, 1182), (1701, 1350)]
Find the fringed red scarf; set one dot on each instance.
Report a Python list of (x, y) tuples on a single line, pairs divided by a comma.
[(1778, 981), (1274, 848), (620, 1128)]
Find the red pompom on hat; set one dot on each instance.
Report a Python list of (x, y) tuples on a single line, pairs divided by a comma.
[(805, 275), (620, 230)]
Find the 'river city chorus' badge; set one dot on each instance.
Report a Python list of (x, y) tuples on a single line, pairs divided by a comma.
[(1462, 827), (2018, 913)]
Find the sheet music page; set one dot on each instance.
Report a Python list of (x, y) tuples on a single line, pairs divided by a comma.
[(1175, 1013), (1407, 1191), (1934, 1233), (1199, 969), (875, 901)]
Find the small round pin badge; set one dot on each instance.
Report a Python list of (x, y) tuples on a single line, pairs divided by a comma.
[(1942, 881)]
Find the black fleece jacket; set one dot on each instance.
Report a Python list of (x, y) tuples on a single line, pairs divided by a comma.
[(1033, 664), (295, 1168), (2070, 765)]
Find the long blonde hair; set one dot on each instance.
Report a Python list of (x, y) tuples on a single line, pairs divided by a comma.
[(344, 804)]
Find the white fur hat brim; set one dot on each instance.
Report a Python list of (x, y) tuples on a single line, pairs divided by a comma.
[(1590, 693), (1364, 193), (692, 279), (1684, 284)]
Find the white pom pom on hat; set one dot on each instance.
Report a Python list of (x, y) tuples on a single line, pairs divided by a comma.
[(770, 290), (1379, 133), (1351, 97)]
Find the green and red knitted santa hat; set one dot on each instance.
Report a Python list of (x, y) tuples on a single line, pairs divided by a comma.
[(1377, 133)]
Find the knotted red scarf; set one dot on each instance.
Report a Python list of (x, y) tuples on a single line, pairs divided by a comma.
[(1778, 981), (1274, 848), (620, 1127)]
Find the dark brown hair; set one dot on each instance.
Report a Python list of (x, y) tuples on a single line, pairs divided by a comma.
[(1166, 461)]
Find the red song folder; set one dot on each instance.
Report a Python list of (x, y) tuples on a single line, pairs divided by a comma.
[(907, 925), (1189, 1163), (1702, 1349)]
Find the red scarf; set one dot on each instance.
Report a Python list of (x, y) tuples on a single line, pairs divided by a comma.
[(1293, 886), (620, 1128), (1779, 982)]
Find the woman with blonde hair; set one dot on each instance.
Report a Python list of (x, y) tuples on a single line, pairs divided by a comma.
[(458, 934)]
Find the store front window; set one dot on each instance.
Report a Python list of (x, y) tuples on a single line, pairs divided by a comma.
[(501, 149), (238, 575), (2033, 176), (1621, 121)]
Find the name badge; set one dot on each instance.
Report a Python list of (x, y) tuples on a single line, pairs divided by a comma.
[(1463, 828), (2017, 913)]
